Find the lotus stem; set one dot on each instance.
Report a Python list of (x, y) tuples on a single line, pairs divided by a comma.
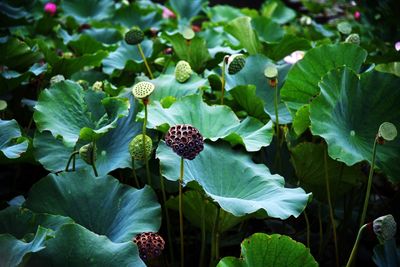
[(146, 162), (93, 159), (308, 228), (164, 196), (203, 233), (277, 132), (145, 61), (331, 213), (72, 156), (214, 240), (321, 233), (181, 214), (368, 192), (355, 247), (223, 80), (73, 160)]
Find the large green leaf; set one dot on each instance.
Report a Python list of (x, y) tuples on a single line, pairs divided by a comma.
[(236, 183), (223, 13), (302, 81), (166, 85), (288, 44), (133, 15), (308, 161), (246, 97), (14, 252), (260, 250), (253, 73), (348, 113), (186, 10), (112, 148), (68, 111), (17, 55), (84, 11), (242, 30), (125, 54), (267, 30), (277, 11), (213, 122), (74, 245), (12, 145), (102, 205), (195, 52)]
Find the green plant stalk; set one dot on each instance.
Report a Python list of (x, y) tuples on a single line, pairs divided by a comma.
[(73, 160), (73, 154), (134, 174), (145, 61), (214, 241), (168, 221), (93, 161), (277, 132), (331, 214), (321, 233), (308, 228), (181, 214), (223, 81), (146, 162), (203, 233), (368, 192), (217, 236), (355, 247)]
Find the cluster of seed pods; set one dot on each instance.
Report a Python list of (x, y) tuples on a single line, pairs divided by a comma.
[(185, 140), (150, 245)]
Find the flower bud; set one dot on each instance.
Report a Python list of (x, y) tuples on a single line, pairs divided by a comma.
[(88, 153), (50, 8)]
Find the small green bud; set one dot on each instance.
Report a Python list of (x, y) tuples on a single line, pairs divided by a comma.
[(353, 38), (136, 147), (344, 27), (134, 36), (142, 89), (236, 63), (271, 72), (3, 105), (88, 153), (188, 33), (183, 71), (387, 131)]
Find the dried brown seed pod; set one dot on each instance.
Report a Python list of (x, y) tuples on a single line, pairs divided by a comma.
[(185, 140), (150, 245)]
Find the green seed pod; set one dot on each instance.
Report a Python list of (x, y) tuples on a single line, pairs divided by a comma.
[(353, 38), (387, 131), (384, 228), (236, 63), (188, 33), (87, 151), (271, 72), (134, 36), (183, 71), (142, 89), (136, 147), (98, 86)]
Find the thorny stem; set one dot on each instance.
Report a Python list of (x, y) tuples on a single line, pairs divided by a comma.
[(331, 214), (181, 213), (73, 154), (145, 61), (93, 161), (223, 79), (368, 192), (146, 162), (355, 247), (164, 196)]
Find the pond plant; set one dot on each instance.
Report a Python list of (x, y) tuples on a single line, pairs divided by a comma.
[(192, 133)]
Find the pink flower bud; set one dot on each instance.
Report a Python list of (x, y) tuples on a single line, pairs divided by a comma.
[(168, 14), (294, 57), (357, 15), (50, 8), (397, 46)]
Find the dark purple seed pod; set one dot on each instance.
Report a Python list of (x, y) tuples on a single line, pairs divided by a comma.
[(150, 245), (185, 140)]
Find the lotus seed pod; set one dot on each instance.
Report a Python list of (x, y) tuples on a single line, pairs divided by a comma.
[(271, 72), (3, 105), (56, 79), (150, 245), (353, 38), (384, 227), (185, 140), (67, 55), (188, 33), (142, 89), (236, 63), (98, 86), (134, 36), (136, 147), (88, 153), (387, 131), (183, 71)]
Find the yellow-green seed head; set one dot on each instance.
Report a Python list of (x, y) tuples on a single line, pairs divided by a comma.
[(142, 89), (183, 71), (136, 147)]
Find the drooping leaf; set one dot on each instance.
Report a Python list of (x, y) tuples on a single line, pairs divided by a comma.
[(288, 44), (393, 67), (253, 73), (247, 98), (277, 11), (133, 15), (213, 122), (267, 30), (195, 52), (12, 145), (237, 184), (125, 54), (102, 205), (88, 10), (223, 13), (66, 110), (308, 161), (242, 30), (302, 81), (275, 250), (301, 120), (348, 113), (13, 251), (187, 10), (17, 55), (74, 245), (112, 148)]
